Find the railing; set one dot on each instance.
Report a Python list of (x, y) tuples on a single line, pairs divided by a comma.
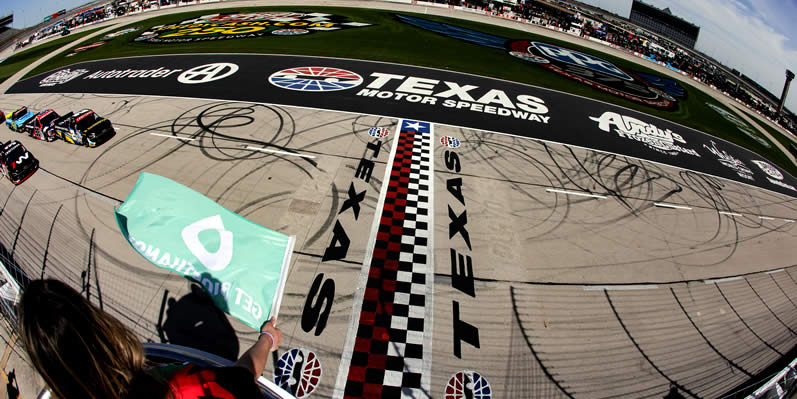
[(172, 354), (782, 385)]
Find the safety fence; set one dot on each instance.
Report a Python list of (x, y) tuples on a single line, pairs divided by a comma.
[(782, 385)]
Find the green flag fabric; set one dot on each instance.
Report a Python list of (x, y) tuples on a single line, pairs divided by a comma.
[(242, 265)]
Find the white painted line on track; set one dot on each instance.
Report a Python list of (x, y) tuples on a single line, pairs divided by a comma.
[(766, 218), (788, 220), (722, 280), (730, 213), (620, 287), (774, 271), (553, 190), (168, 136), (359, 292), (663, 205), (279, 152)]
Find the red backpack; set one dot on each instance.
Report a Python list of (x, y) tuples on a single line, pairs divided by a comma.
[(195, 383)]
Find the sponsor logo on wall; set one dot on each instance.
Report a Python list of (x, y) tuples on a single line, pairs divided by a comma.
[(773, 174), (663, 141), (247, 25), (742, 125), (582, 67), (730, 161)]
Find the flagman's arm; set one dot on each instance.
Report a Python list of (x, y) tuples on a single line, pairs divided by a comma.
[(256, 357)]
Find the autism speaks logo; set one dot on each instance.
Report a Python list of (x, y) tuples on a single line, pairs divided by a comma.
[(247, 25)]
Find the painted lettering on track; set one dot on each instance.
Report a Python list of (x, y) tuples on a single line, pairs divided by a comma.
[(415, 89), (461, 264)]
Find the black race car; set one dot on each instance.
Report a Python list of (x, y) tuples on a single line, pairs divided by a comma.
[(16, 163), (41, 125), (83, 128)]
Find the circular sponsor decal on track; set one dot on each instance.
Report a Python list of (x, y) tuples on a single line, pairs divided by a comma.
[(298, 371), (591, 71), (769, 169), (378, 132), (315, 79), (207, 73), (290, 32), (450, 142), (468, 384)]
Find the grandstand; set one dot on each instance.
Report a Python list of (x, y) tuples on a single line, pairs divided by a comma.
[(664, 23), (6, 31)]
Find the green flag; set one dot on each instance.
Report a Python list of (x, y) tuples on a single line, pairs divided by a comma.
[(243, 266)]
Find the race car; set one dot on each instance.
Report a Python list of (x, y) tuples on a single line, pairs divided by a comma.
[(16, 163), (83, 128), (16, 120), (41, 125)]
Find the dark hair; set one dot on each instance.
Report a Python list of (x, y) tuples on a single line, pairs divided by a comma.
[(79, 350)]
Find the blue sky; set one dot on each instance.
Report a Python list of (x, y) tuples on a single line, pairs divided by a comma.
[(757, 37), (31, 12)]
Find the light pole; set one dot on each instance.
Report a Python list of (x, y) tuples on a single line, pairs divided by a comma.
[(789, 77)]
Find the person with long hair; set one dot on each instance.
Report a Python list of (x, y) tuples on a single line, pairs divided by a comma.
[(83, 352)]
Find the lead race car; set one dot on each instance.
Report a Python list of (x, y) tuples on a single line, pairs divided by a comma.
[(16, 120), (16, 162), (83, 128), (41, 125)]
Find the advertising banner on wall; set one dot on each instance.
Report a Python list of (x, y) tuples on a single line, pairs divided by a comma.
[(241, 265), (417, 93)]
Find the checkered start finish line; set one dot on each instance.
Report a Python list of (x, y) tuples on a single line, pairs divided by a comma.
[(392, 346)]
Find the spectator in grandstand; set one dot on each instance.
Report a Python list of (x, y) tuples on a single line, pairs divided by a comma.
[(83, 352)]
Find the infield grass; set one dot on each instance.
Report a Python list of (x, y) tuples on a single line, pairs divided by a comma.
[(391, 41), (777, 134), (20, 60)]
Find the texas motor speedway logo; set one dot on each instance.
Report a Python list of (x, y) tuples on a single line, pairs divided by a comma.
[(590, 70), (414, 89), (581, 67), (246, 25)]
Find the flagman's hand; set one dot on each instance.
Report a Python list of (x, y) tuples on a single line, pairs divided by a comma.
[(256, 357), (269, 330)]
